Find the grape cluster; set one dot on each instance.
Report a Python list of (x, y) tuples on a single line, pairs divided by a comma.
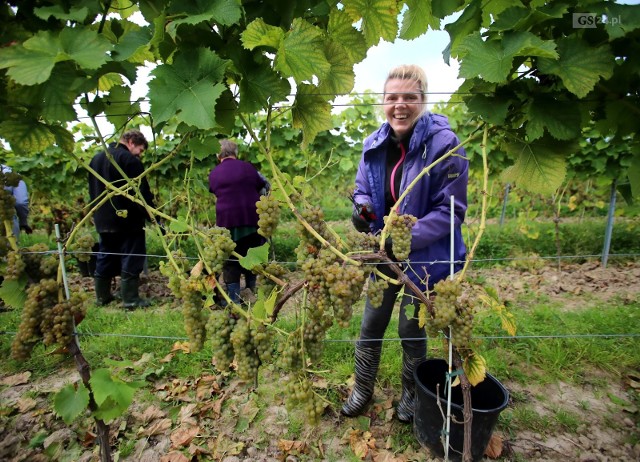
[(252, 345), (39, 265), (7, 201), (314, 216), (400, 233), (217, 248), (40, 297), (299, 392), (375, 291), (452, 309), (273, 269), (219, 327), (58, 322), (291, 352), (15, 266), (84, 246), (174, 277), (357, 241), (194, 313), (269, 215)]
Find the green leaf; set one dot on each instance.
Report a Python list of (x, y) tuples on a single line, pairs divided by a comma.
[(118, 107), (108, 81), (468, 23), (311, 113), (256, 256), (226, 108), (112, 395), (32, 62), (78, 14), (27, 136), (379, 19), (540, 165), (221, 12), (13, 293), (189, 88), (561, 119), (486, 59), (526, 44), (341, 31), (301, 53), (132, 42), (56, 96), (492, 109), (63, 138), (340, 79), (71, 401), (417, 19), (258, 34), (475, 368), (633, 173), (179, 225), (260, 88), (579, 65), (203, 147)]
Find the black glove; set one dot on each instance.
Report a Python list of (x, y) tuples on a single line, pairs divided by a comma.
[(388, 247), (26, 228), (362, 216)]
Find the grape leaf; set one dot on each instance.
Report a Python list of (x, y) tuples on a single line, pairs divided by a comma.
[(258, 33), (57, 11), (118, 107), (71, 401), (189, 88), (26, 136), (492, 109), (633, 174), (540, 165), (340, 79), (579, 65), (112, 395), (379, 19), (222, 12), (468, 23), (417, 19), (341, 31), (562, 120), (32, 62), (475, 368), (301, 53), (261, 87), (256, 256), (12, 291), (311, 113)]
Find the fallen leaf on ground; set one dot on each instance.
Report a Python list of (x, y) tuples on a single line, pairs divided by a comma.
[(156, 428), (26, 404), (151, 413), (494, 448), (174, 456), (181, 346), (16, 379), (361, 443), (386, 456), (183, 436), (291, 445)]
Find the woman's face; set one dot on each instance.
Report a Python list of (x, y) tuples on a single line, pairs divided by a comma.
[(403, 104)]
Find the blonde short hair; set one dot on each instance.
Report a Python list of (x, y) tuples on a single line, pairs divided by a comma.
[(410, 72)]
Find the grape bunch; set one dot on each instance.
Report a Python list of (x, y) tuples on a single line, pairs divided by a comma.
[(291, 352), (357, 241), (15, 266), (40, 297), (7, 205), (219, 327), (314, 216), (299, 392), (269, 215), (194, 313), (344, 283), (175, 277), (247, 360), (39, 265), (400, 233), (58, 322), (375, 291), (11, 179), (273, 269), (452, 309), (217, 248), (83, 246)]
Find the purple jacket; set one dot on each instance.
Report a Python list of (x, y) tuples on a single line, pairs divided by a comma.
[(236, 185), (429, 200)]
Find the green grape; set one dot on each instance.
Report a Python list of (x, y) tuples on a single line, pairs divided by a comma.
[(219, 327), (375, 291), (217, 248), (269, 215), (15, 266), (83, 246), (400, 233), (194, 313)]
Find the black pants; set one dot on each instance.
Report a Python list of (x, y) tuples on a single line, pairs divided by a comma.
[(232, 270), (376, 320), (122, 252)]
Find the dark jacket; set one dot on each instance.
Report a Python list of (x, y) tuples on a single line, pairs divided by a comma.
[(236, 185), (429, 201), (107, 218)]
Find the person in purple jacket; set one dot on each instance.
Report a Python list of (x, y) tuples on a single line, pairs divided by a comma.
[(237, 186), (410, 140)]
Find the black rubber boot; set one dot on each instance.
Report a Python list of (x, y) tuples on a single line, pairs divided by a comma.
[(233, 290), (129, 289), (367, 362), (103, 290), (405, 408)]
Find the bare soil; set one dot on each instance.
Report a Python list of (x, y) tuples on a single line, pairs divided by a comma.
[(216, 417)]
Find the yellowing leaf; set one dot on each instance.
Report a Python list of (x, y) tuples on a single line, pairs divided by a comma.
[(475, 368), (379, 18), (258, 33), (422, 316), (311, 113)]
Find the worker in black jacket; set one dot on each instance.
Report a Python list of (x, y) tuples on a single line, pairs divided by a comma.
[(120, 221)]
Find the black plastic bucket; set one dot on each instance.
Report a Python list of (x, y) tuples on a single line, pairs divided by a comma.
[(488, 399)]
